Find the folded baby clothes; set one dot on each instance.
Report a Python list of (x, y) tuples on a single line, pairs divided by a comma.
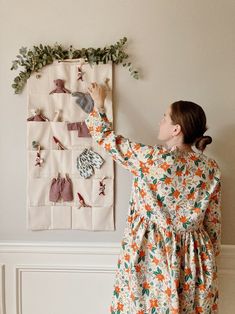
[(80, 127), (85, 101), (61, 188), (86, 161)]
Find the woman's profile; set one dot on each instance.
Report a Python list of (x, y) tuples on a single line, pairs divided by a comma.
[(167, 262)]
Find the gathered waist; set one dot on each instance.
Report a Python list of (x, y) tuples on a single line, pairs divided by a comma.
[(151, 224)]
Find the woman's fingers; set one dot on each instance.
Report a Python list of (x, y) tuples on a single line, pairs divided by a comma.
[(93, 85), (96, 90)]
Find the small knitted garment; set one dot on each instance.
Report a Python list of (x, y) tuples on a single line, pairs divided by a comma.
[(85, 101), (86, 161)]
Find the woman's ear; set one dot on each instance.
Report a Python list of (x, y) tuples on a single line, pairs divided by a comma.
[(176, 129)]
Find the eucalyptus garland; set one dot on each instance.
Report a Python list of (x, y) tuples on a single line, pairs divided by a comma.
[(33, 60)]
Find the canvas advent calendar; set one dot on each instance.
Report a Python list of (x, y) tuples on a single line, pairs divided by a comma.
[(70, 179)]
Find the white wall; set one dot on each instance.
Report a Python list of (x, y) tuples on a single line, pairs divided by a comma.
[(38, 278), (184, 49)]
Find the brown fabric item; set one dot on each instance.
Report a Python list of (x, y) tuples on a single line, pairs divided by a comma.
[(66, 189), (54, 193), (61, 188), (80, 127), (37, 115), (59, 87)]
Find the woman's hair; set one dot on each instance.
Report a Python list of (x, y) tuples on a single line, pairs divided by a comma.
[(192, 119)]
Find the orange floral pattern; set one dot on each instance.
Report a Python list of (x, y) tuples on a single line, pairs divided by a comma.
[(167, 260)]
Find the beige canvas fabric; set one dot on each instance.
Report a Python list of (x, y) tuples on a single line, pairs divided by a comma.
[(42, 214)]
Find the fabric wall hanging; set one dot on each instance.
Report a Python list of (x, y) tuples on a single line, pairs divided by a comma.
[(70, 180)]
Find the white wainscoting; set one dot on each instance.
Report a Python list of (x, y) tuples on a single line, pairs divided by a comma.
[(68, 278)]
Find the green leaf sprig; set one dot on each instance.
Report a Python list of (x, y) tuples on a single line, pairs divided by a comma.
[(33, 60)]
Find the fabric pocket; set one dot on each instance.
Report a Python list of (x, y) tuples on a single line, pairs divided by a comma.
[(41, 101), (102, 192), (84, 188), (61, 217), (60, 132), (60, 161), (39, 172), (38, 191), (75, 154), (68, 111), (75, 113), (107, 169), (82, 218), (59, 70), (38, 85), (39, 218), (83, 84), (79, 141), (39, 132), (80, 135), (102, 218)]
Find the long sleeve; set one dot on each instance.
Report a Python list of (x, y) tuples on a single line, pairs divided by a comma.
[(133, 156), (212, 220)]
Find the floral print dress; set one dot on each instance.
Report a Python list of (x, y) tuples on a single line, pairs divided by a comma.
[(167, 260)]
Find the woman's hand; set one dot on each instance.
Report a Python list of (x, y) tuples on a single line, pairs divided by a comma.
[(98, 94)]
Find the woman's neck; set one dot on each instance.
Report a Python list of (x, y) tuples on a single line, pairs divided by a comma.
[(181, 146)]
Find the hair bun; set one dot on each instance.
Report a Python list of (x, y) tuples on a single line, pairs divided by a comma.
[(202, 142)]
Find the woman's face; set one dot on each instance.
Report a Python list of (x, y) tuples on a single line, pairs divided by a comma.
[(166, 127)]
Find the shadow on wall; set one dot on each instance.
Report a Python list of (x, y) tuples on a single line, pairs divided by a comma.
[(225, 151)]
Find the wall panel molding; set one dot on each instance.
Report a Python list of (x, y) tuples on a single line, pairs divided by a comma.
[(27, 266), (21, 269), (2, 289), (60, 247)]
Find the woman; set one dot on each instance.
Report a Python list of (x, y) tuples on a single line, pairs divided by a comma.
[(172, 236)]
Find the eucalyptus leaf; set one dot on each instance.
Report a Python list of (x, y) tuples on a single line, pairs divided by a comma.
[(34, 59)]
